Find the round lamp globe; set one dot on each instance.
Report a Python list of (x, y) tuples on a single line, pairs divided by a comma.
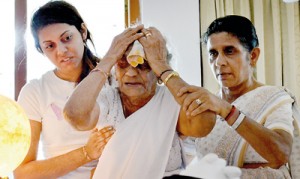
[(14, 135)]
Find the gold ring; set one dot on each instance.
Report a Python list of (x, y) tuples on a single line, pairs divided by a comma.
[(198, 101)]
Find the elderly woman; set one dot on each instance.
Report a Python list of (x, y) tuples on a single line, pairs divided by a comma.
[(254, 127), (144, 114)]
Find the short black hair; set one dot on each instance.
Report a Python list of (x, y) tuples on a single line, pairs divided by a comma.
[(238, 26)]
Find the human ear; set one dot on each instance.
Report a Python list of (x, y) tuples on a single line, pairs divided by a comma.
[(254, 56), (83, 31)]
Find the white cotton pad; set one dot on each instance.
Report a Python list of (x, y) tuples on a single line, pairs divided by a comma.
[(136, 55)]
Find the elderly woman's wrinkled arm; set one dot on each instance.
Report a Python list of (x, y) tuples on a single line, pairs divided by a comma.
[(81, 109), (156, 54), (198, 125)]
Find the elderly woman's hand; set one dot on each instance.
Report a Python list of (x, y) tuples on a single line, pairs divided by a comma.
[(155, 50), (121, 42), (199, 99), (97, 141)]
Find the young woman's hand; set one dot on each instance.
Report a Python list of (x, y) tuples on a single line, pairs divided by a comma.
[(97, 141)]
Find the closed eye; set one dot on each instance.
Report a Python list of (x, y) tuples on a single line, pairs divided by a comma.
[(144, 67), (122, 63)]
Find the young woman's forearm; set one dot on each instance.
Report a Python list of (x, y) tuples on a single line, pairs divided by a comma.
[(52, 168)]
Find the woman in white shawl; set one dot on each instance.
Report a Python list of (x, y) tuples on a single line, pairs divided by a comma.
[(144, 114), (254, 128)]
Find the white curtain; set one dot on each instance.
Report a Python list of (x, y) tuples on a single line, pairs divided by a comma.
[(278, 29)]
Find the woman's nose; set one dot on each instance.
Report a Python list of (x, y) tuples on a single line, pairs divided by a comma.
[(131, 71), (220, 60), (61, 48)]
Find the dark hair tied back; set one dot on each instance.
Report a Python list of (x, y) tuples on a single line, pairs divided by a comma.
[(238, 26), (62, 12)]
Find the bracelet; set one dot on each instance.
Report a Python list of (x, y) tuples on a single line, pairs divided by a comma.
[(103, 72), (239, 120), (160, 81), (85, 153), (233, 108), (174, 73)]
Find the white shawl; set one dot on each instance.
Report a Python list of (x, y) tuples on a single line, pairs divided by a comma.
[(141, 145)]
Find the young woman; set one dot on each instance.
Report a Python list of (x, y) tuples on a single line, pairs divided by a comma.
[(61, 35)]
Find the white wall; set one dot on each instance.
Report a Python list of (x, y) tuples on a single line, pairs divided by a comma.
[(178, 20)]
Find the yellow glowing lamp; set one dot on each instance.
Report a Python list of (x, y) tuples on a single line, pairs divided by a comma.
[(14, 135)]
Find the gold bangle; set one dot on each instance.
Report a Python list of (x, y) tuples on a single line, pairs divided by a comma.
[(174, 73), (160, 81), (103, 72), (85, 153)]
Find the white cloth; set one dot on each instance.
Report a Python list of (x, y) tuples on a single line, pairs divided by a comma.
[(136, 55), (43, 100), (211, 167), (141, 145), (294, 163)]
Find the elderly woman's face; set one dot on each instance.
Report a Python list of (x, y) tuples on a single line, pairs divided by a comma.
[(228, 59), (135, 82)]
